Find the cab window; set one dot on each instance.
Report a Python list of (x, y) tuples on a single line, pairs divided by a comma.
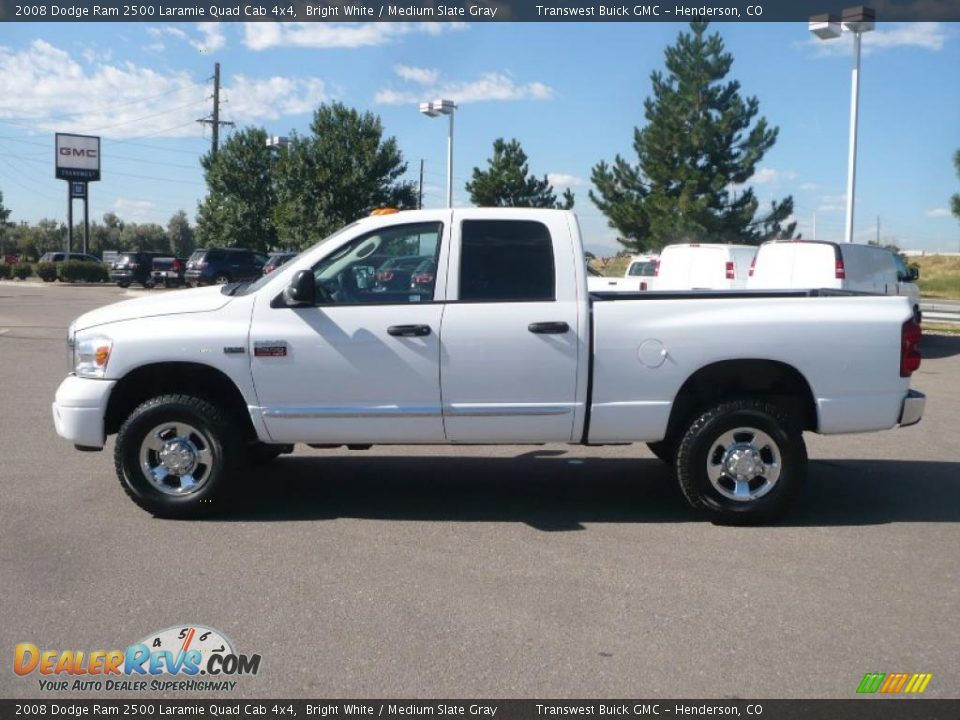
[(506, 260)]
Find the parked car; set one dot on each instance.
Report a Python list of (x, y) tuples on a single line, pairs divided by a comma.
[(510, 348), (277, 259), (635, 279), (217, 266), (168, 271), (395, 273), (702, 266), (57, 257), (424, 276), (133, 266), (838, 266)]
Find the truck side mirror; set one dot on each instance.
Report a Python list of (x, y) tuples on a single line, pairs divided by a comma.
[(302, 290), (913, 273)]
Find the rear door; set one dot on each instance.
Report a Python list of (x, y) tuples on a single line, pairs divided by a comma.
[(509, 339)]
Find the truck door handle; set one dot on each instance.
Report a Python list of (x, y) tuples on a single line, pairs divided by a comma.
[(548, 328), (409, 330)]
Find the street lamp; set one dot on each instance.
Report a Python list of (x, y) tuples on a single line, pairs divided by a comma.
[(435, 109), (856, 20)]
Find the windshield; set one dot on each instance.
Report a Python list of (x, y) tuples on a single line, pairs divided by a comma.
[(249, 287)]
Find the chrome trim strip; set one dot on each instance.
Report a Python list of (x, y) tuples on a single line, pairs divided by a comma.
[(505, 410), (386, 411)]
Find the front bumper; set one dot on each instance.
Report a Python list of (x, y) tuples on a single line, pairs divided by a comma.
[(912, 410), (79, 410)]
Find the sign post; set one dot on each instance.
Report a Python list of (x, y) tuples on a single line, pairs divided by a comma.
[(77, 162)]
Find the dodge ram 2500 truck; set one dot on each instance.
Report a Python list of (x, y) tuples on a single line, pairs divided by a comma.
[(500, 343)]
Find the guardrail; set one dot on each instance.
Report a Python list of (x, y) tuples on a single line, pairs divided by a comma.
[(940, 311)]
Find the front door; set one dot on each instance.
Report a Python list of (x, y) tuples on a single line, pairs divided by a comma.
[(363, 365)]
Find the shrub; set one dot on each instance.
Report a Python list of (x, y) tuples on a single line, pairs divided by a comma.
[(4, 271), (46, 271), (21, 271), (81, 271)]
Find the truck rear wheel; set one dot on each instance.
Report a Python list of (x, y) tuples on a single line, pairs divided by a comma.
[(175, 454), (742, 462)]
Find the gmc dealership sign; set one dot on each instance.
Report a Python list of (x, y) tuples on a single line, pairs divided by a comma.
[(78, 157)]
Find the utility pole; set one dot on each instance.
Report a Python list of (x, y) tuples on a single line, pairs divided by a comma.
[(420, 192), (214, 119)]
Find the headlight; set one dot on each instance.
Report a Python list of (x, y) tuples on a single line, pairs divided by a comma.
[(71, 346), (92, 355)]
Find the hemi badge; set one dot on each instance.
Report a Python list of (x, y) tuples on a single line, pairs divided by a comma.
[(233, 351), (269, 348)]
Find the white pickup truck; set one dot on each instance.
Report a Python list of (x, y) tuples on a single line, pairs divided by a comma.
[(502, 344)]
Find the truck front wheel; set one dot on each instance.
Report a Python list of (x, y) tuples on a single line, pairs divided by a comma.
[(174, 455), (742, 462)]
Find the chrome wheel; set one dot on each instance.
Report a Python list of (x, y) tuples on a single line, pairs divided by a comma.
[(744, 464), (176, 458)]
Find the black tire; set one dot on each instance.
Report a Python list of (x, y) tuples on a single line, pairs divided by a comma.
[(665, 450), (216, 431), (259, 453), (703, 436), (221, 279), (123, 284)]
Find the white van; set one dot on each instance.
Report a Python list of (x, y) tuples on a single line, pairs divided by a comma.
[(785, 264), (700, 266)]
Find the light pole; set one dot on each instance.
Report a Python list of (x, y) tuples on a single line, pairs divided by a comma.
[(435, 109), (856, 20)]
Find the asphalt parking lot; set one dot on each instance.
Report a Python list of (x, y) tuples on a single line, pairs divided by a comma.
[(542, 572)]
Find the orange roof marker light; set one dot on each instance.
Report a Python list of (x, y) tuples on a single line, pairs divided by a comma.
[(384, 211)]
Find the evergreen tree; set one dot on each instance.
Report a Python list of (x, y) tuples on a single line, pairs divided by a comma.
[(697, 145), (180, 235), (341, 171), (955, 200), (241, 199), (507, 182)]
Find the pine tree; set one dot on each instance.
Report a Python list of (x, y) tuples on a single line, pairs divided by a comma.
[(507, 182), (694, 152)]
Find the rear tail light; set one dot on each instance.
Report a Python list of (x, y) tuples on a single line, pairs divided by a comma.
[(643, 284), (385, 276), (753, 265), (910, 336), (202, 264), (840, 273), (731, 274), (176, 265), (423, 278)]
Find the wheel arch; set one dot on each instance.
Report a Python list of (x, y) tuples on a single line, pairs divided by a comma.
[(777, 381), (176, 377)]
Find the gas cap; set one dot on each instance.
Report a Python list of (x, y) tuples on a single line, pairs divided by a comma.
[(652, 353)]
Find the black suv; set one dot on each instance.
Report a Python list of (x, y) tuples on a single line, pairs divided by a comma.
[(133, 267), (216, 266)]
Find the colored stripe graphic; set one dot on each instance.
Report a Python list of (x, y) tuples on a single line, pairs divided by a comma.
[(894, 683)]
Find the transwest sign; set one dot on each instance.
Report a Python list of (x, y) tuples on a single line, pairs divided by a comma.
[(78, 157)]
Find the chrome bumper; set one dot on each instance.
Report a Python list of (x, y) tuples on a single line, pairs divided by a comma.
[(912, 409)]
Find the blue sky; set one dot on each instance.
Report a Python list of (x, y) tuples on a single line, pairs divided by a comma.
[(571, 93)]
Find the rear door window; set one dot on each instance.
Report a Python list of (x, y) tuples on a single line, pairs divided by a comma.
[(506, 260)]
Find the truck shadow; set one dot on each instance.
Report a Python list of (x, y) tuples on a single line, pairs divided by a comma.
[(552, 492), (933, 347)]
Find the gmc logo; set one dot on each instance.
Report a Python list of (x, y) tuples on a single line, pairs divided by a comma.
[(78, 152)]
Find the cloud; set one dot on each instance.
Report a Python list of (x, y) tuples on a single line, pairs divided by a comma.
[(765, 176), (938, 213), (51, 90), (832, 203), (562, 180), (130, 210), (809, 186), (423, 76), (930, 36), (492, 86), (266, 35), (209, 38)]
